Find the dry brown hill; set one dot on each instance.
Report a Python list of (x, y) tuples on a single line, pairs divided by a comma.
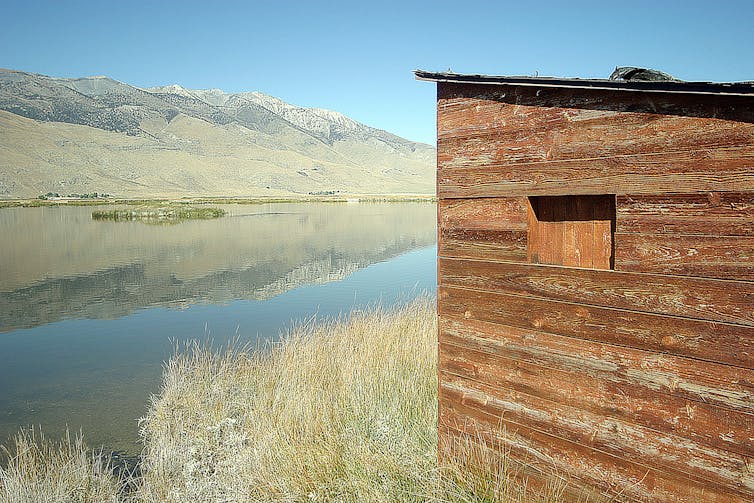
[(99, 135)]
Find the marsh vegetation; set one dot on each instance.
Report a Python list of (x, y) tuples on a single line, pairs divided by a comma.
[(163, 214), (338, 410)]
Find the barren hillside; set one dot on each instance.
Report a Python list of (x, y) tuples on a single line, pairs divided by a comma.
[(96, 134)]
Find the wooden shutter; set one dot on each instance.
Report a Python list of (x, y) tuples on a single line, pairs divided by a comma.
[(573, 231)]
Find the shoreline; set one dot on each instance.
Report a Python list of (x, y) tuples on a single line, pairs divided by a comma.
[(342, 409), (350, 198)]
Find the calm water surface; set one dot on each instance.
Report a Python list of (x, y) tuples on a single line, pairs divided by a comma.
[(90, 310)]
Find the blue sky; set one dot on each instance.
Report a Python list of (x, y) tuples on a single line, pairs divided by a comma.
[(357, 57)]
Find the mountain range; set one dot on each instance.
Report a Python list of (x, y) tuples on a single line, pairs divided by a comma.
[(96, 134)]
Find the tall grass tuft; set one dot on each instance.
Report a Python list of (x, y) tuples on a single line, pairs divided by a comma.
[(39, 470), (338, 411)]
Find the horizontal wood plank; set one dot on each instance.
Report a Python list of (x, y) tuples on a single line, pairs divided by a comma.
[(692, 171), (727, 257), (598, 135), (703, 299), (623, 480), (483, 244), (605, 332), (494, 214), (549, 124), (710, 214), (504, 359), (621, 439), (519, 141), (493, 228)]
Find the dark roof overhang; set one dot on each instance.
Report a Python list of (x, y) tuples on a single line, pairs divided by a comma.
[(723, 88)]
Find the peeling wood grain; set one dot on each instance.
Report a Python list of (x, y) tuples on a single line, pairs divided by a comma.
[(559, 142), (615, 437), (484, 228), (508, 360), (727, 257), (623, 480), (700, 381), (509, 134), (693, 171), (634, 381), (604, 116), (703, 299), (496, 213), (479, 243), (709, 214)]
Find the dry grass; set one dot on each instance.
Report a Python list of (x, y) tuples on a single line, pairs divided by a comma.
[(40, 470), (338, 411), (342, 411), (473, 471)]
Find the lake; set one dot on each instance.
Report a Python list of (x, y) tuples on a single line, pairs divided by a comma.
[(89, 310)]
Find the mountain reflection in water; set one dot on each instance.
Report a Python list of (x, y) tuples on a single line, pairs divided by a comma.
[(90, 310), (57, 263)]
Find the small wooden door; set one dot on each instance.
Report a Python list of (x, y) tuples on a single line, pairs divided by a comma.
[(573, 231)]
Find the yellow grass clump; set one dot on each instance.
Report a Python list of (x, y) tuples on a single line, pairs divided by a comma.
[(40, 470), (337, 411)]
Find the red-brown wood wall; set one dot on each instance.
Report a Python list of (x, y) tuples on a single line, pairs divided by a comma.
[(632, 376)]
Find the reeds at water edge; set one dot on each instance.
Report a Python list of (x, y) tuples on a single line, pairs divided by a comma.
[(338, 410)]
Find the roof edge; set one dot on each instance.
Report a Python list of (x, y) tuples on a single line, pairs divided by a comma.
[(681, 87)]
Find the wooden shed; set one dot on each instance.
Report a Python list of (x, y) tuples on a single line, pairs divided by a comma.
[(596, 280)]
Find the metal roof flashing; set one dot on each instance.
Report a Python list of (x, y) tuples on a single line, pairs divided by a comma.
[(671, 86)]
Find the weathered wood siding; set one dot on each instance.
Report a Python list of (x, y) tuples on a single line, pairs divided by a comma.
[(631, 373)]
